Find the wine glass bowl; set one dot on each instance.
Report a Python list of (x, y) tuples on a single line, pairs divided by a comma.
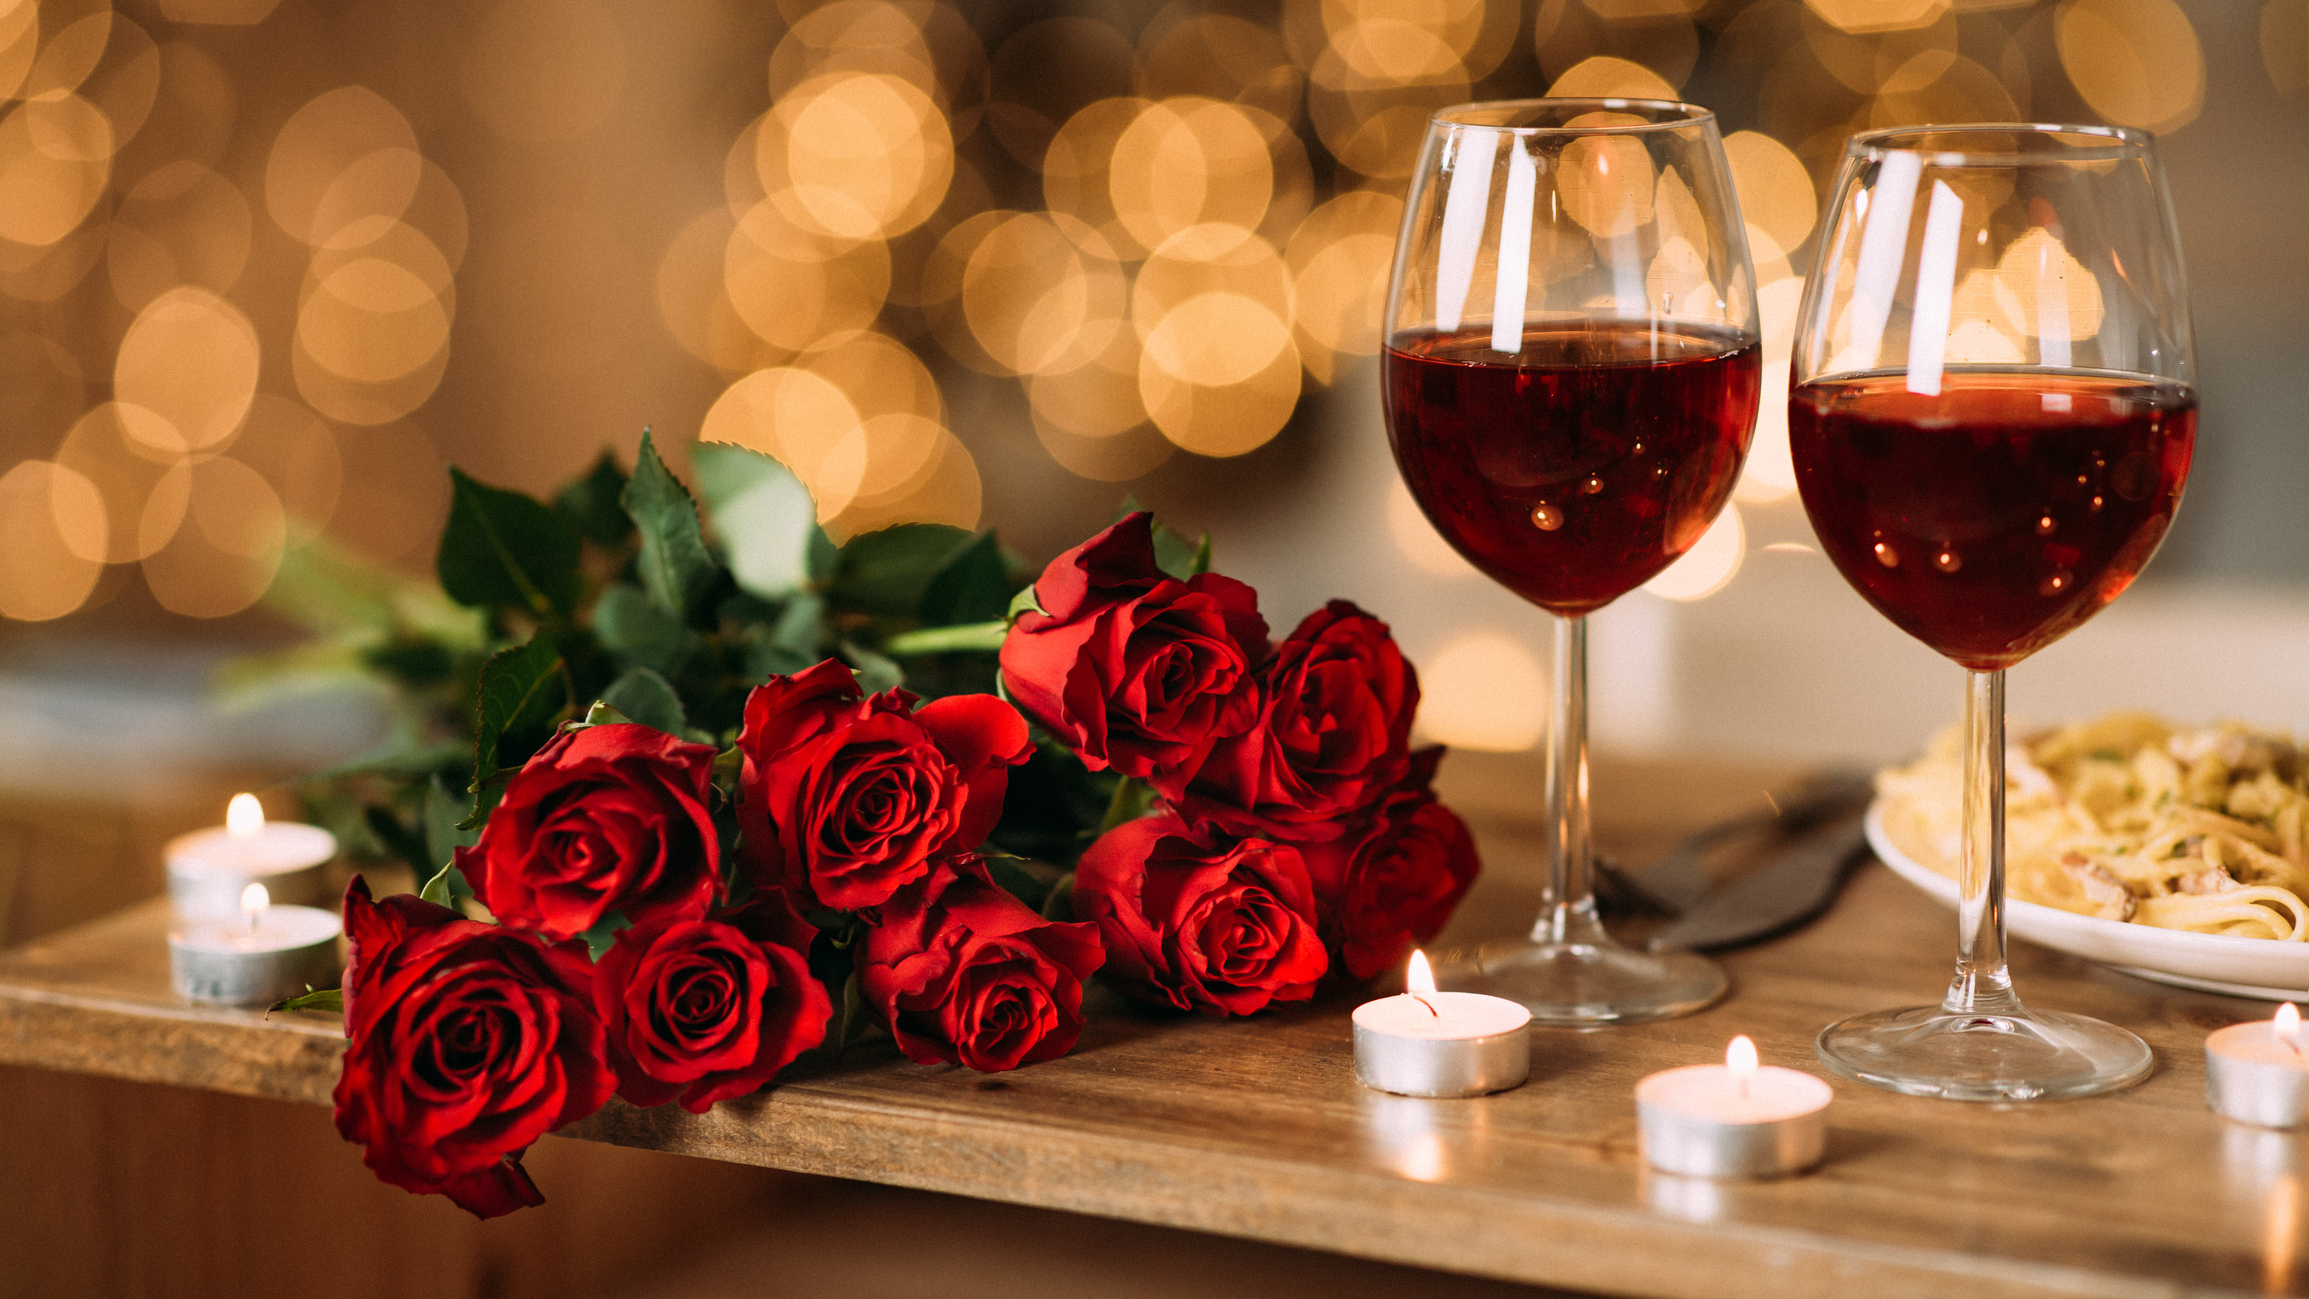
[(1992, 416), (1571, 377)]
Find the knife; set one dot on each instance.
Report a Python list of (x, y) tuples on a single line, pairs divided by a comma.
[(1676, 883), (1792, 890)]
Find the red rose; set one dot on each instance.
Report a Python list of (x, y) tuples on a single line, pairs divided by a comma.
[(1332, 736), (965, 973), (847, 799), (1394, 880), (1132, 669), (705, 1010), (468, 1042), (603, 818), (1201, 921)]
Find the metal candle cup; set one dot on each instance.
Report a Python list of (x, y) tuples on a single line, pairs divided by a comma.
[(1736, 1119), (269, 954), (1441, 1044), (2258, 1072), (208, 869)]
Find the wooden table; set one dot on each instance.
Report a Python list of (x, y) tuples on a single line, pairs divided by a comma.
[(1257, 1129)]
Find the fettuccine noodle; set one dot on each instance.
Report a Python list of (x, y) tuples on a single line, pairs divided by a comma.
[(2129, 818)]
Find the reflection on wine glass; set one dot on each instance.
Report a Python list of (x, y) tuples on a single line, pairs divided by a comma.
[(1991, 419), (1571, 381)]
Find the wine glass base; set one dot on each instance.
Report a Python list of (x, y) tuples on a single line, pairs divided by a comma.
[(2024, 1055), (1589, 983)]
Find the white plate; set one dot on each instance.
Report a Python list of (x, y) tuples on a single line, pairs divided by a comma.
[(2237, 967)]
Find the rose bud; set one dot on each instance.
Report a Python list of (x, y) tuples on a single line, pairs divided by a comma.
[(1201, 920), (601, 819), (1392, 882), (965, 973), (468, 1042), (1333, 733), (844, 800), (1133, 669), (705, 1010)]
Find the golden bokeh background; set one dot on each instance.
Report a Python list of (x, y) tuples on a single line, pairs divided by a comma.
[(266, 266)]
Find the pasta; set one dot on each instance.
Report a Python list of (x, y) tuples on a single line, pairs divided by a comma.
[(2129, 818)]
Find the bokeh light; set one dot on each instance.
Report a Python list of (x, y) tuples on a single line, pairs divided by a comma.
[(1417, 540), (191, 358), (181, 224), (2137, 62), (52, 529), (1482, 690), (1145, 234), (1710, 564)]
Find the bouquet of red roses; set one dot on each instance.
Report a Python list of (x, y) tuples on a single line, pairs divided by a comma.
[(710, 830)]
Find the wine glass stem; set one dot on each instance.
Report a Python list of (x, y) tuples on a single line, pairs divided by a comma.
[(1982, 985), (1568, 914)]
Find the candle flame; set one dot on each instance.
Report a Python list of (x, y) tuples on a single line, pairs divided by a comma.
[(2287, 1025), (244, 816), (1421, 980), (1740, 1058), (254, 900)]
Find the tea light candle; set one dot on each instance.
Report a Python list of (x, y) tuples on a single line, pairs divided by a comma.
[(269, 953), (1429, 1043), (209, 869), (2257, 1073), (1735, 1119)]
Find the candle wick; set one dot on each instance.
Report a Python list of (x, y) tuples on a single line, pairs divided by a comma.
[(1425, 1002), (1743, 1083)]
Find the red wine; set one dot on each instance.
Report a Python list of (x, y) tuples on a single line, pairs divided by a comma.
[(1990, 520), (1576, 469)]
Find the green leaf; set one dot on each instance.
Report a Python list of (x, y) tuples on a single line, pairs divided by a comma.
[(1023, 602), (762, 513), (983, 637), (634, 629), (1015, 876), (413, 663), (1132, 799), (329, 1000), (417, 761), (443, 835), (593, 507), (1179, 557), (504, 550), (857, 1016), (327, 587), (824, 556), (973, 585), (676, 569), (887, 572), (445, 887), (522, 691), (1058, 904), (801, 626), (397, 838), (603, 935), (645, 697), (875, 673)]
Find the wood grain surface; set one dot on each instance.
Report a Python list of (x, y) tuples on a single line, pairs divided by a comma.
[(1256, 1128)]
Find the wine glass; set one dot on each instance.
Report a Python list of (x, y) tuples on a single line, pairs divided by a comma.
[(1571, 377), (1991, 416)]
